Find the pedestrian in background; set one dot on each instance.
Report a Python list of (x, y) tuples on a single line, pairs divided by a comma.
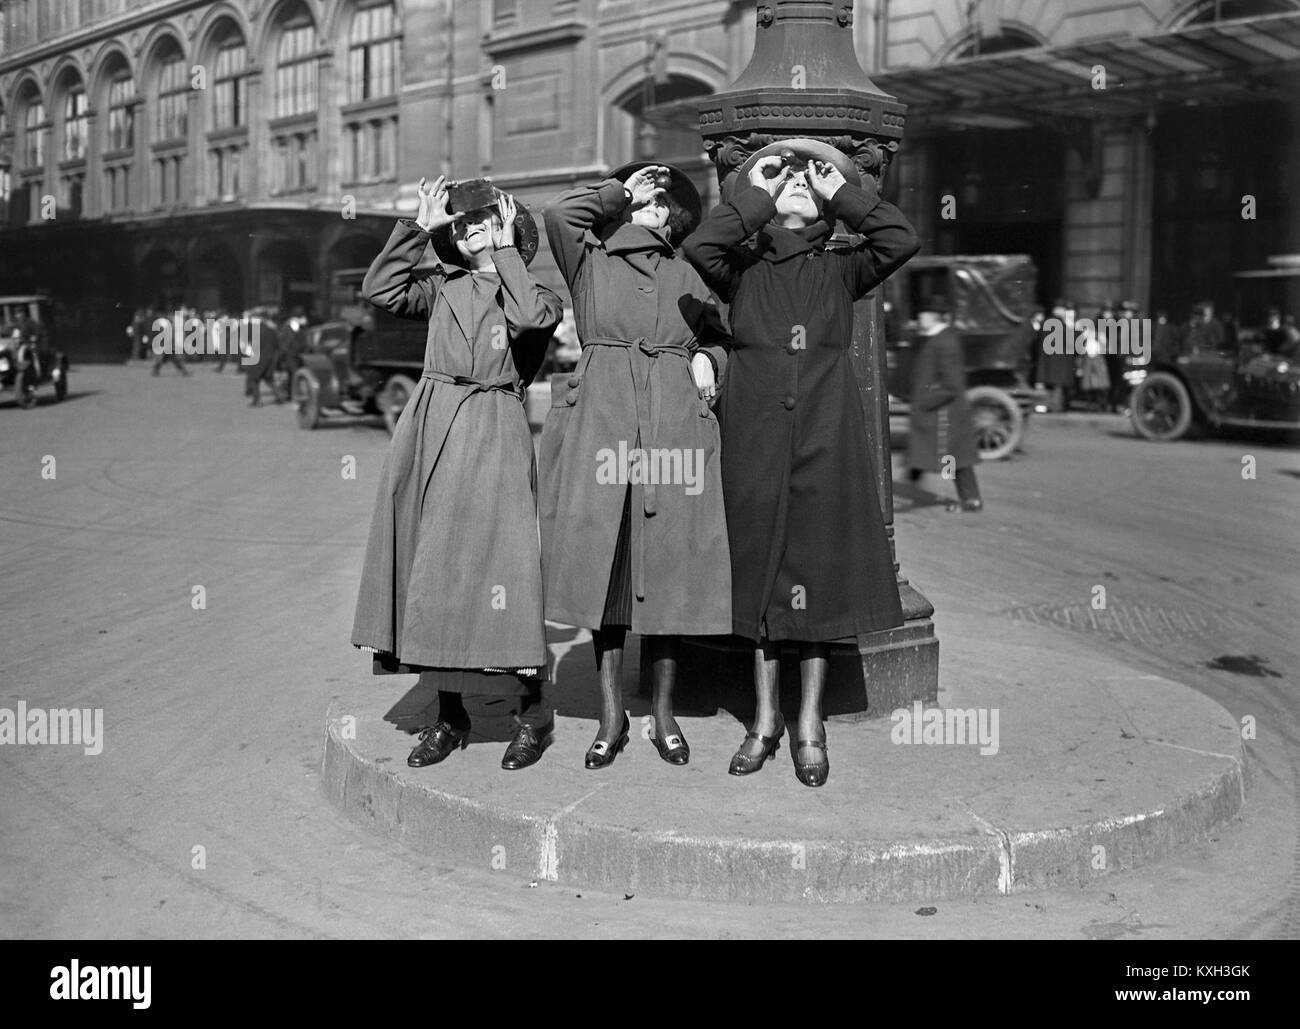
[(1094, 380), (941, 438), (1058, 369), (267, 334), (1204, 332), (173, 353)]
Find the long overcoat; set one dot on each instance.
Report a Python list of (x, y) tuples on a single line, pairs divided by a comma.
[(940, 420), (452, 573), (641, 313), (810, 558)]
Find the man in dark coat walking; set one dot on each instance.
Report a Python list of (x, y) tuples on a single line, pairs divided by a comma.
[(941, 438), (268, 340), (810, 561)]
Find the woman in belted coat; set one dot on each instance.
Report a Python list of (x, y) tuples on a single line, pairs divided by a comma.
[(635, 543), (451, 586), (941, 438), (810, 560)]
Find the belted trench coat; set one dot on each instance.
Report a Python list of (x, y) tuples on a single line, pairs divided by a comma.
[(452, 572), (810, 558), (641, 313)]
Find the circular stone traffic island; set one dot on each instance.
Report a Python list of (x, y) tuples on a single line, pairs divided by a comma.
[(1081, 777)]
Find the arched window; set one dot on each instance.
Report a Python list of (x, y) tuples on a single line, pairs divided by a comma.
[(121, 117), (293, 128), (173, 90), (1007, 39), (370, 114), (295, 68), (372, 54), (228, 109), (36, 131), (74, 123)]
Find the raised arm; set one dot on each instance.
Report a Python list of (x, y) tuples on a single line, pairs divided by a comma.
[(889, 239), (712, 247), (570, 215), (391, 281), (529, 306)]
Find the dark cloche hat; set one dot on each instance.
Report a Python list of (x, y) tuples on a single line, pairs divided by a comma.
[(680, 188), (475, 195)]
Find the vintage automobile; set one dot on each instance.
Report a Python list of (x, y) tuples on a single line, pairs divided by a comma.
[(28, 360), (1245, 387), (991, 297), (366, 361)]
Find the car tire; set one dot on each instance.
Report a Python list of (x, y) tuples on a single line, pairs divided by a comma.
[(396, 392), (306, 394), (1161, 408), (996, 421)]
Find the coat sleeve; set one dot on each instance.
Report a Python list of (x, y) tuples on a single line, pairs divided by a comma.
[(391, 282), (890, 241), (713, 247), (570, 215), (529, 306)]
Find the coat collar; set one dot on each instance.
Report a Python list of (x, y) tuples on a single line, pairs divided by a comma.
[(458, 294), (627, 237), (777, 243)]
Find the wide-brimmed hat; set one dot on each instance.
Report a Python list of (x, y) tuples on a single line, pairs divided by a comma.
[(804, 150), (680, 188), (475, 195)]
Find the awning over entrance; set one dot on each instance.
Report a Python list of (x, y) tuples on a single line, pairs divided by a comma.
[(1225, 62)]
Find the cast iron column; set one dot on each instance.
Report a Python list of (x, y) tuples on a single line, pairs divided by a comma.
[(804, 80)]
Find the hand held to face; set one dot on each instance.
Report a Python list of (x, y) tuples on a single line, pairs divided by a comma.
[(505, 235), (641, 184), (770, 174), (433, 213), (824, 178)]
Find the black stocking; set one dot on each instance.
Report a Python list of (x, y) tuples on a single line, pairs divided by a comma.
[(608, 645)]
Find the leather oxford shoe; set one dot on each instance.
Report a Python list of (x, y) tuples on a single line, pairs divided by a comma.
[(436, 744), (524, 749)]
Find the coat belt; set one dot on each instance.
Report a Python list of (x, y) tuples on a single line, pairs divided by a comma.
[(643, 360), (507, 382)]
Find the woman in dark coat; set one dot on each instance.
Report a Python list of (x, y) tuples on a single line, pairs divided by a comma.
[(810, 559), (941, 438), (451, 586), (637, 544)]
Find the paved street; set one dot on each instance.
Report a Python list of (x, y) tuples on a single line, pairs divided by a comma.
[(213, 718)]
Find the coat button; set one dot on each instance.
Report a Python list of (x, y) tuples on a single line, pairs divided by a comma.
[(575, 382), (570, 400), (791, 348), (789, 403)]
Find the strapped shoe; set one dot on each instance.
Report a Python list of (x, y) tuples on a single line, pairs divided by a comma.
[(524, 749), (743, 764), (816, 773), (437, 743)]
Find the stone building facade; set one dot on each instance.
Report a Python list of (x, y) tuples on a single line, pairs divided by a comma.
[(241, 152)]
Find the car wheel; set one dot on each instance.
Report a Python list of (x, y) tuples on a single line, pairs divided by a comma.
[(996, 421), (397, 391), (1161, 408), (306, 394)]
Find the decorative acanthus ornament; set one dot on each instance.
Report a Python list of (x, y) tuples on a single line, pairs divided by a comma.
[(871, 156)]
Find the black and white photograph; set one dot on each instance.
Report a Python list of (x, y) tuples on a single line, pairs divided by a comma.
[(510, 470)]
